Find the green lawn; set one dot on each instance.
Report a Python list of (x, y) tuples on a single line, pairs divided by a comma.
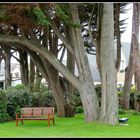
[(71, 127)]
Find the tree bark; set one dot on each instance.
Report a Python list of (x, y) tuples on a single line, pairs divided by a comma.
[(109, 98), (24, 66), (136, 6), (67, 86), (31, 75), (98, 37), (8, 77), (86, 88), (38, 78), (117, 27), (132, 58), (54, 74), (58, 94), (69, 109)]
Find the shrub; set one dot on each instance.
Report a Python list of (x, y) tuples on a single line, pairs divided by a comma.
[(98, 92), (3, 107), (133, 92), (136, 113), (18, 111), (17, 98), (77, 99), (79, 109), (131, 111), (122, 111), (43, 98), (20, 86)]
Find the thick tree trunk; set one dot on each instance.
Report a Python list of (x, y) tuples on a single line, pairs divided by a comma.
[(38, 79), (54, 75), (57, 91), (24, 66), (90, 106), (86, 89), (68, 91), (136, 6), (128, 77), (8, 77), (53, 81), (137, 65), (109, 99), (132, 58), (69, 88)]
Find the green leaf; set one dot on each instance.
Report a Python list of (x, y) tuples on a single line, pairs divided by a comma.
[(3, 14), (41, 18)]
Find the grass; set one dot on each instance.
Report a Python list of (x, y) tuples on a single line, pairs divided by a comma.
[(71, 127)]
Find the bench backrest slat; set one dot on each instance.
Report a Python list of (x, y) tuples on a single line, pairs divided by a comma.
[(26, 112), (49, 110), (36, 111)]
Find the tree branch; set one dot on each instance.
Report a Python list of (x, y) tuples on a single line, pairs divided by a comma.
[(46, 54), (57, 32)]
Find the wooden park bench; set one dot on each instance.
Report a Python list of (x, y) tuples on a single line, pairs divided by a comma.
[(36, 113)]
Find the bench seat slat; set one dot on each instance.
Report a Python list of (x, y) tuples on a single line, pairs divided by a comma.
[(33, 118)]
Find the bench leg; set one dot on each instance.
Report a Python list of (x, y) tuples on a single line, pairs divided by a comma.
[(16, 122), (48, 122), (16, 119), (22, 122), (48, 119), (53, 120)]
